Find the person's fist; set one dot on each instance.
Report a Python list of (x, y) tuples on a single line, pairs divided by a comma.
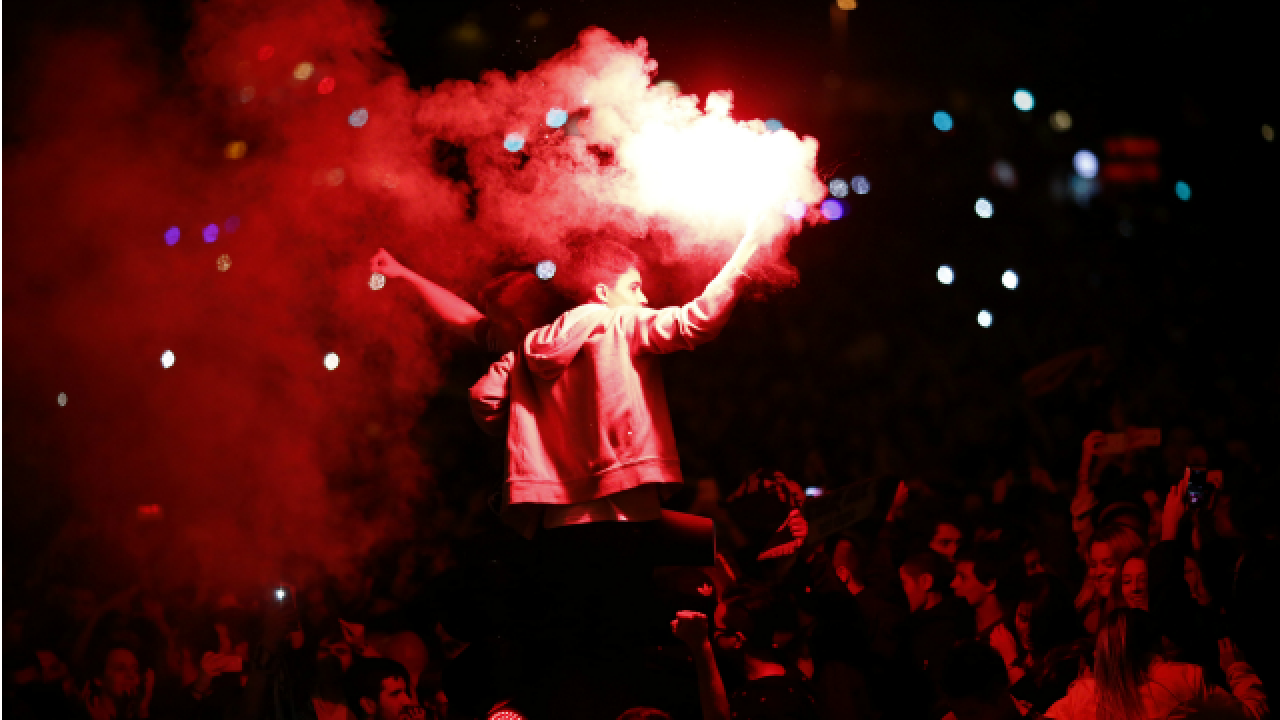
[(1092, 441), (798, 525), (384, 263), (690, 627)]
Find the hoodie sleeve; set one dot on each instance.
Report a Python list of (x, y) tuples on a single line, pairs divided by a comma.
[(684, 327), (491, 394)]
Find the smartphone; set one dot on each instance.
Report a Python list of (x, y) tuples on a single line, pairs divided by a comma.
[(1112, 444), (1197, 486), (813, 492)]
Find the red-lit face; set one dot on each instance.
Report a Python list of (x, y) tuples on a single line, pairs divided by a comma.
[(1133, 583), (917, 589), (393, 701), (1195, 581), (625, 292), (968, 586), (946, 540), (340, 650), (1102, 568), (1022, 623), (120, 678)]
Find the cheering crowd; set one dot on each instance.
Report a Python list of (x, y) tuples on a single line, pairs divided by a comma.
[(1140, 588)]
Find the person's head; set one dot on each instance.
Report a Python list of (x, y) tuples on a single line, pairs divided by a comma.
[(975, 683), (378, 689), (601, 270), (946, 539), (1129, 589), (410, 651), (846, 561), (1046, 616), (333, 647), (921, 574), (120, 675), (517, 303), (1195, 581), (1127, 642), (746, 621), (1108, 548), (977, 573)]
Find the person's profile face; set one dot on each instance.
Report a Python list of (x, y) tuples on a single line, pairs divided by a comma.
[(1022, 623), (626, 291), (917, 590), (967, 585), (1133, 583), (394, 699), (946, 540), (120, 677), (1103, 568)]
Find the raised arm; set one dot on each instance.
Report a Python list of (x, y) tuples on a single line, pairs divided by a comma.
[(691, 627), (689, 325), (458, 314)]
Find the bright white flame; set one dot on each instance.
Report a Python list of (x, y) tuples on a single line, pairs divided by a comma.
[(946, 275), (62, 399), (377, 281), (167, 359), (1024, 100), (984, 208), (331, 361), (1009, 279), (1086, 164), (709, 171), (984, 319)]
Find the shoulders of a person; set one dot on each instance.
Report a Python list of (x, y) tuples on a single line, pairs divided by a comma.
[(1164, 671)]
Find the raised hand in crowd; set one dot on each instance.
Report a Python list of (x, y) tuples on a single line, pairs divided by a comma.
[(691, 628)]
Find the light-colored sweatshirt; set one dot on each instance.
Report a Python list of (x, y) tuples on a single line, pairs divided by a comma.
[(585, 410)]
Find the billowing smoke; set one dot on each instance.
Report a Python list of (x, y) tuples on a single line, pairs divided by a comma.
[(227, 217)]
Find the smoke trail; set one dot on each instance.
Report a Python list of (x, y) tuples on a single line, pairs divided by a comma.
[(228, 219)]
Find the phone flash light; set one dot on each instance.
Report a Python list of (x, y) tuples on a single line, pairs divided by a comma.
[(813, 492), (280, 594)]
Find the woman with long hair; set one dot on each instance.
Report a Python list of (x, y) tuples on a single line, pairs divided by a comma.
[(1107, 549), (1054, 645), (1129, 586), (1132, 682)]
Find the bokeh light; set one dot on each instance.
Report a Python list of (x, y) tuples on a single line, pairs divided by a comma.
[(545, 270), (1003, 174), (167, 359), (246, 93), (860, 185), (1009, 279), (326, 86), (265, 52), (1024, 100), (224, 262), (303, 70), (1060, 121), (796, 209), (556, 117), (62, 399), (236, 149), (1268, 133), (232, 224), (984, 208), (513, 142), (838, 187), (773, 125), (942, 121), (331, 361), (210, 232), (172, 236), (1086, 164), (832, 209), (358, 117), (1183, 191), (946, 275), (985, 318), (377, 281)]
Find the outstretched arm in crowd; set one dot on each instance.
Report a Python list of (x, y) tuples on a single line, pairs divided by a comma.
[(1246, 688), (691, 627), (458, 314)]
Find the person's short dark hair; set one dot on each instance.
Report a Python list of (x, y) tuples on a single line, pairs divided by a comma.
[(364, 680), (973, 670), (594, 258), (928, 562), (988, 561), (522, 298), (753, 611)]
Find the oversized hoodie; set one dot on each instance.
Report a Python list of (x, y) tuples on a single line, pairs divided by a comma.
[(583, 404)]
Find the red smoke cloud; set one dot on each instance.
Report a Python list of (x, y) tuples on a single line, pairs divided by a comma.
[(293, 138)]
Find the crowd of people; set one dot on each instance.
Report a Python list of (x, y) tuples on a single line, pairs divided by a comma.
[(1118, 595)]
